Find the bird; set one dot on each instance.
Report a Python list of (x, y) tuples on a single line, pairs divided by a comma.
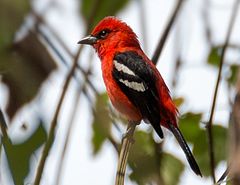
[(134, 85)]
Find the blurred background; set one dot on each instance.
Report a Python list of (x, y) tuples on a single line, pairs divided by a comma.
[(57, 124)]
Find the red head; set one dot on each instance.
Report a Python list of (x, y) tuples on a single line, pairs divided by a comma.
[(111, 33)]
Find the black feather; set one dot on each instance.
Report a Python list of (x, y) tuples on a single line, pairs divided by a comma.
[(147, 101), (191, 160)]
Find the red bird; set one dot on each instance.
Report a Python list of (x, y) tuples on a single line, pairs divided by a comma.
[(134, 85)]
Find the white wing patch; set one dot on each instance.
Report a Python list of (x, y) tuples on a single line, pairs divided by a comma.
[(134, 85), (123, 68)]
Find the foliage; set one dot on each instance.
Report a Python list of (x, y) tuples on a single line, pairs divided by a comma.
[(171, 167), (178, 101), (143, 159), (232, 79), (214, 60), (102, 8), (101, 124), (214, 56), (23, 71), (18, 155), (190, 126), (13, 11), (146, 159), (150, 164)]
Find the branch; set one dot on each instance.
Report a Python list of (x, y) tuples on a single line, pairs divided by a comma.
[(3, 125), (142, 15), (80, 90), (5, 140), (50, 139), (166, 32), (69, 130), (210, 122), (223, 176), (127, 142), (63, 45), (178, 60), (206, 18)]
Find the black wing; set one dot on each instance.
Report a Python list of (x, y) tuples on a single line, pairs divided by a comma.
[(136, 79)]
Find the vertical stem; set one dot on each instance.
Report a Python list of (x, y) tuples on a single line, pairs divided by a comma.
[(68, 134), (71, 125), (50, 139), (127, 142), (210, 122), (3, 125), (166, 32), (142, 15)]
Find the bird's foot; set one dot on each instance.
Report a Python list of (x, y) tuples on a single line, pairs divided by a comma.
[(130, 131)]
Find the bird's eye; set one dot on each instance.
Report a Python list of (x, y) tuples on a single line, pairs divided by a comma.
[(102, 34)]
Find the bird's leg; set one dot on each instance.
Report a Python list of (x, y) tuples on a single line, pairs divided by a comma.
[(130, 131)]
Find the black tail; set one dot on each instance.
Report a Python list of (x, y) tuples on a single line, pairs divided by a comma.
[(158, 129), (192, 162)]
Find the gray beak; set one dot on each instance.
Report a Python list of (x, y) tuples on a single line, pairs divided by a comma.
[(88, 40)]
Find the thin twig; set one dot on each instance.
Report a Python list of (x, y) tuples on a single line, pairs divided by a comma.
[(3, 125), (5, 140), (210, 122), (127, 142), (41, 20), (166, 32), (206, 18), (142, 15), (80, 90), (50, 139), (224, 175), (63, 45), (69, 130), (3, 128), (114, 143), (178, 60)]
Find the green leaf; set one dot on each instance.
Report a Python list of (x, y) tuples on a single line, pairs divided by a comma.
[(220, 142), (150, 165), (12, 13), (201, 152), (18, 155), (178, 101), (171, 167), (143, 159), (232, 79), (22, 66), (190, 127), (24, 69), (101, 123), (101, 9), (214, 56)]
